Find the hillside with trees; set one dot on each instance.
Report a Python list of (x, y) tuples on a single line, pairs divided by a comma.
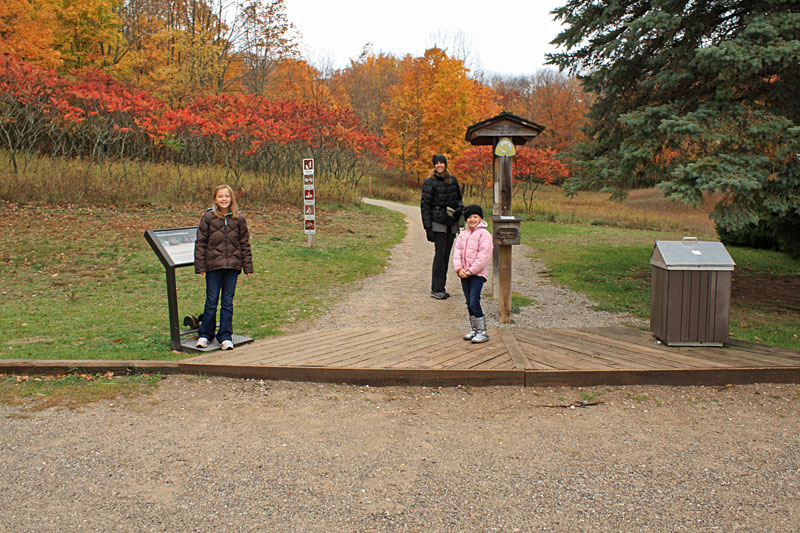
[(207, 82)]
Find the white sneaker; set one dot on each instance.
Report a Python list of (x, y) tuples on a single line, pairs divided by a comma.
[(226, 345), (202, 342)]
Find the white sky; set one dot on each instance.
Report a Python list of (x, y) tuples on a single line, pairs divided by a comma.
[(506, 37)]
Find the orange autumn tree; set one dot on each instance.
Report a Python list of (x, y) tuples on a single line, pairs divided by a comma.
[(430, 108), (27, 31), (548, 97), (56, 33), (295, 79), (364, 86)]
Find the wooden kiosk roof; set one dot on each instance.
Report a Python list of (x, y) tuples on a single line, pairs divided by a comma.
[(520, 130)]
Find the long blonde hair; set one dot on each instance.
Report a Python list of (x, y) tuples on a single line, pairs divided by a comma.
[(234, 209)]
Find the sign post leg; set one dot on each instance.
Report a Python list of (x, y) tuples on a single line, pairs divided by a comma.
[(504, 282), (172, 300)]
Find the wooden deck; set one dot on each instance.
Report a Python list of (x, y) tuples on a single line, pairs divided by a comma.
[(513, 356)]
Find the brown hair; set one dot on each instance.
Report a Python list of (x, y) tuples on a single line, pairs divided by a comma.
[(446, 176), (234, 209)]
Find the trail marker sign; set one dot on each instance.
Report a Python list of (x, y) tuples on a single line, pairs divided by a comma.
[(309, 202)]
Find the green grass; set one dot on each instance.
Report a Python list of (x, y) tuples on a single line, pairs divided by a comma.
[(81, 282), (518, 302), (71, 390), (612, 266)]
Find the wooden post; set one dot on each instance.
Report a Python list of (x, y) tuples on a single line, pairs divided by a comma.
[(504, 283), (503, 132), (502, 167)]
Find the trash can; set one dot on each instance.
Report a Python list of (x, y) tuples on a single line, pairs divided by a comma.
[(690, 292)]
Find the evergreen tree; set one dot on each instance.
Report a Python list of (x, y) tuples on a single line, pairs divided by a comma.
[(695, 96)]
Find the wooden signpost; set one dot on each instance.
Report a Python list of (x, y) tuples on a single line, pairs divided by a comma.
[(503, 132), (309, 202)]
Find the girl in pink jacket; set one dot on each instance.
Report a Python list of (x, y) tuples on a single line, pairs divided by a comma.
[(471, 257)]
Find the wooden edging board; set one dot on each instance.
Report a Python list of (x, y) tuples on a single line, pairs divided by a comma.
[(673, 377), (52, 366), (362, 376)]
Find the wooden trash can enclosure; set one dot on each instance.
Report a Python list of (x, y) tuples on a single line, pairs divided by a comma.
[(690, 292)]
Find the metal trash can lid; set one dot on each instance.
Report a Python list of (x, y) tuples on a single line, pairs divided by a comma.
[(691, 254)]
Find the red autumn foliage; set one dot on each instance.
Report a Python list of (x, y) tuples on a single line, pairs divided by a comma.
[(91, 114), (531, 167)]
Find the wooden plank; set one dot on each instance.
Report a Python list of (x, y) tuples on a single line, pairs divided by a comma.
[(89, 366), (573, 355), (502, 361), (480, 361), (397, 348), (365, 376), (641, 355), (344, 342), (773, 351), (317, 353), (614, 355), (514, 351), (283, 342), (424, 357), (544, 353), (355, 351), (479, 354), (439, 358), (674, 377), (410, 345), (726, 355), (272, 350)]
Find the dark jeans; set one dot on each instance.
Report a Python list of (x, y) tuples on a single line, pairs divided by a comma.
[(443, 243), (472, 287), (219, 282)]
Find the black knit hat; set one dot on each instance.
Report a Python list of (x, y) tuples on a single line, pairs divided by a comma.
[(473, 209), (440, 158)]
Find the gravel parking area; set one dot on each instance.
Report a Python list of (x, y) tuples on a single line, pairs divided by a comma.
[(218, 454)]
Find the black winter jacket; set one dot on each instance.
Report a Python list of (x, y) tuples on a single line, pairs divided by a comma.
[(222, 243), (436, 197)]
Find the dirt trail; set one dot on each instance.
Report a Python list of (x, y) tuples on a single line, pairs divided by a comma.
[(400, 296)]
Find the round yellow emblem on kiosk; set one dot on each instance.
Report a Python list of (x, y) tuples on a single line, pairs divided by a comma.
[(505, 148)]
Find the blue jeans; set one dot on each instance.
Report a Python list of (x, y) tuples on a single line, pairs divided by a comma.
[(472, 287), (224, 282)]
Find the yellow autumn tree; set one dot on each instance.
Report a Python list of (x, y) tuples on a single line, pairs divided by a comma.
[(430, 109), (86, 31)]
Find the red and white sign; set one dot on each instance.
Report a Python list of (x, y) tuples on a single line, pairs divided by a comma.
[(309, 198)]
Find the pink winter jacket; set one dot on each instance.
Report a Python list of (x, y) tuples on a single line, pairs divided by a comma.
[(473, 251)]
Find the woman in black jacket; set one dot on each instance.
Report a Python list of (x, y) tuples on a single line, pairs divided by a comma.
[(441, 205)]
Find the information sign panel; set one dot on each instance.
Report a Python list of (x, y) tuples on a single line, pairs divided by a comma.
[(175, 246)]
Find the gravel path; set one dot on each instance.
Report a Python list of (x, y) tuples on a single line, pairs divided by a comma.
[(222, 454)]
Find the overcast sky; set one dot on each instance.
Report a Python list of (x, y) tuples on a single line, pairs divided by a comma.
[(507, 37)]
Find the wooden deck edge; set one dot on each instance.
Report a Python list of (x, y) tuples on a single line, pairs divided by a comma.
[(674, 377), (52, 366), (362, 376)]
